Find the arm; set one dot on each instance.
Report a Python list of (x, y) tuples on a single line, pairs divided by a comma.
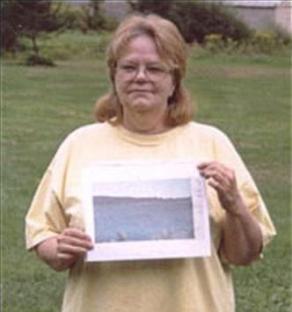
[(242, 239), (62, 251)]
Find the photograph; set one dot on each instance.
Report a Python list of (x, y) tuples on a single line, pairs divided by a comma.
[(135, 218), (145, 210)]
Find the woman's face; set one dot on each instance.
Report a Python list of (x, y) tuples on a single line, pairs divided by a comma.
[(143, 82)]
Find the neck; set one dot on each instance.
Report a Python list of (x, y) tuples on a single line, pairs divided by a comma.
[(145, 123)]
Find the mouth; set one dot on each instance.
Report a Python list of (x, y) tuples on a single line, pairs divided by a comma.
[(139, 91)]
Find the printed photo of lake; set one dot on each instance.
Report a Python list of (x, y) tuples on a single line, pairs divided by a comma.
[(166, 212)]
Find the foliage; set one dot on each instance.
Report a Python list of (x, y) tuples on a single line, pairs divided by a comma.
[(214, 42), (283, 34), (260, 42), (69, 15), (9, 38), (71, 44), (92, 18), (196, 19), (29, 19), (162, 7), (34, 59), (266, 42), (86, 17)]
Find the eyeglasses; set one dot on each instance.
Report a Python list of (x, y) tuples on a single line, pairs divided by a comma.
[(154, 72)]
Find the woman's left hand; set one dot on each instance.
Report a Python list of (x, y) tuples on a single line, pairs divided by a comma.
[(223, 180), (241, 235)]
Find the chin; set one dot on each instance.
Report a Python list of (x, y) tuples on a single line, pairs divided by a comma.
[(142, 106)]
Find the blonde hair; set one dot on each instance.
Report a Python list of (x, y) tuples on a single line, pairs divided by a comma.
[(171, 48)]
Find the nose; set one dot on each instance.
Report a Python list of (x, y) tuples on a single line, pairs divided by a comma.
[(141, 74)]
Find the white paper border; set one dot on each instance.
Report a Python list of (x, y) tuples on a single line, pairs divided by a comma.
[(107, 172)]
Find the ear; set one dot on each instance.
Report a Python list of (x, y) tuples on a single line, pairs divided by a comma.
[(171, 97), (173, 88), (175, 82)]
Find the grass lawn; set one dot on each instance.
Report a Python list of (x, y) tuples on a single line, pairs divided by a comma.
[(247, 97)]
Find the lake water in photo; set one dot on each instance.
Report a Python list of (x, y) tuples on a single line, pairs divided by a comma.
[(133, 219)]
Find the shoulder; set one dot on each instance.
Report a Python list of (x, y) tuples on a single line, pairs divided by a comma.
[(206, 131), (81, 137), (88, 134), (87, 131)]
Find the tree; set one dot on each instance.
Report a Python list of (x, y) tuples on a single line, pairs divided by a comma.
[(162, 7), (93, 18), (27, 18), (9, 33)]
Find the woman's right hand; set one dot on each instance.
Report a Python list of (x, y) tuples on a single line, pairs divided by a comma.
[(62, 251)]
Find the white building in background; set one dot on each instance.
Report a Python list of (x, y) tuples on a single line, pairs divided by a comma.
[(283, 16), (263, 15)]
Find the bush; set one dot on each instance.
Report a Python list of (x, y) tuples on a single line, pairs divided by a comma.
[(264, 42), (35, 60), (196, 20), (283, 35), (69, 15), (215, 43), (267, 42), (162, 7), (259, 43), (110, 23)]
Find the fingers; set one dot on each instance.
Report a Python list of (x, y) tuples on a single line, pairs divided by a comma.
[(77, 236), (215, 167), (73, 244), (223, 180), (217, 174)]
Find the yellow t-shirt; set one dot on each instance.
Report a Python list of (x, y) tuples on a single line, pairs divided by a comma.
[(177, 285)]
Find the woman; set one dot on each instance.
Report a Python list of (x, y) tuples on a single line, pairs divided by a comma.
[(147, 116)]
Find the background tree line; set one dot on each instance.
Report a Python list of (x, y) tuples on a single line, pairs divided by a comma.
[(201, 22)]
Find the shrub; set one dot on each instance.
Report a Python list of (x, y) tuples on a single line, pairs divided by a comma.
[(109, 24), (259, 43), (196, 20), (69, 15), (264, 42), (283, 35), (267, 42), (214, 42), (162, 7), (34, 60)]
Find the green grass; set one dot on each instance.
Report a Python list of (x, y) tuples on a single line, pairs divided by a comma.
[(247, 97)]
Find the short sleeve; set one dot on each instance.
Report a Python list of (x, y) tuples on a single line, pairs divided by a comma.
[(46, 217), (227, 154)]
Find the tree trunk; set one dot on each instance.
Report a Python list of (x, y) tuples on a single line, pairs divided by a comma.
[(34, 45)]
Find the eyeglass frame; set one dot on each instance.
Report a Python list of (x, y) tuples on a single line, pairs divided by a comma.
[(133, 69)]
